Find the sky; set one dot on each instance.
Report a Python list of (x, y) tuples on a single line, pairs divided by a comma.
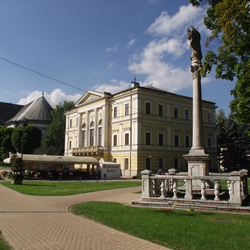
[(63, 48)]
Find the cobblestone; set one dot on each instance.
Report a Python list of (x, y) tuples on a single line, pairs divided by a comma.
[(45, 223)]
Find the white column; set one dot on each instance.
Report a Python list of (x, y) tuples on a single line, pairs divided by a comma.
[(79, 130), (87, 129), (96, 127)]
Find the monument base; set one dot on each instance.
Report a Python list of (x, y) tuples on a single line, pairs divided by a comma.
[(198, 166)]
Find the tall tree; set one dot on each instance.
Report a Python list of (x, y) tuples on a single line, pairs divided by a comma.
[(229, 21), (54, 141), (5, 142), (234, 142), (29, 136)]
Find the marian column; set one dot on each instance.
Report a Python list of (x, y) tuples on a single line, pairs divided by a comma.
[(197, 157)]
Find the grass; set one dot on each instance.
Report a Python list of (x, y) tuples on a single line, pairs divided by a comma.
[(175, 229), (3, 244), (67, 188)]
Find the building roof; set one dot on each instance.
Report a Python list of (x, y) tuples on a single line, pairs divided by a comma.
[(36, 110), (7, 111)]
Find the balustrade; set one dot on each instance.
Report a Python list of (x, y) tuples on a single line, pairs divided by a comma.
[(228, 188)]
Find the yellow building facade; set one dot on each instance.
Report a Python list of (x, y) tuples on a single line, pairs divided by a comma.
[(139, 128)]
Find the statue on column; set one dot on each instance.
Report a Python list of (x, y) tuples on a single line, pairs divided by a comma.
[(195, 37)]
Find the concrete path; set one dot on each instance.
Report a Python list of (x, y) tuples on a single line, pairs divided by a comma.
[(45, 223)]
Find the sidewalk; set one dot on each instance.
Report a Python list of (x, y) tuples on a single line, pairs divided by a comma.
[(45, 223)]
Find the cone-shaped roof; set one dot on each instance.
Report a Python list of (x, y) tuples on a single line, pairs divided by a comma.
[(37, 110)]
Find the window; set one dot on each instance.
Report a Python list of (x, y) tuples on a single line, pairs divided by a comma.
[(70, 145), (148, 108), (84, 125), (127, 109), (115, 112), (114, 160), (99, 136), (176, 113), (187, 141), (160, 139), (127, 139), (148, 163), (83, 138), (160, 110), (176, 140), (100, 122), (148, 138), (115, 140), (208, 117), (160, 164), (91, 141), (186, 114), (209, 142), (176, 163), (70, 123), (126, 163)]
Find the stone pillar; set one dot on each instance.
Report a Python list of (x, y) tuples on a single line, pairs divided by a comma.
[(197, 158)]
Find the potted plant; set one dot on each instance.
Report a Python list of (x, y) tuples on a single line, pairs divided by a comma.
[(17, 168)]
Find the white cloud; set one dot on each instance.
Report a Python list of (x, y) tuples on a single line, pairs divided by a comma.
[(56, 96), (176, 25), (110, 65), (130, 43), (120, 85), (154, 61), (113, 49)]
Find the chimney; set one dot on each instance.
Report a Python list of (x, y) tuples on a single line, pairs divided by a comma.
[(135, 84)]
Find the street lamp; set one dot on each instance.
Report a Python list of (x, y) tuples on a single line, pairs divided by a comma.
[(25, 123)]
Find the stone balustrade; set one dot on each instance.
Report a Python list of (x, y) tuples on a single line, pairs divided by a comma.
[(90, 150), (225, 189)]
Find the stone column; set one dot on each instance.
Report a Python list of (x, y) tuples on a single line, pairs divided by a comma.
[(197, 158)]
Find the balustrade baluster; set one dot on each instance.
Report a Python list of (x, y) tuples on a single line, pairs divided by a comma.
[(153, 186), (217, 190), (175, 189), (203, 190), (163, 189)]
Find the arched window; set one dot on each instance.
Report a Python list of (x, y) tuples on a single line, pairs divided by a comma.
[(84, 125), (92, 124), (100, 122)]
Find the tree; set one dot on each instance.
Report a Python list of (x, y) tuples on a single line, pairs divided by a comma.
[(54, 141), (29, 135), (233, 141), (5, 142), (229, 21)]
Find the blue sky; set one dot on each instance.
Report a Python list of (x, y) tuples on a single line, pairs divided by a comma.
[(99, 45)]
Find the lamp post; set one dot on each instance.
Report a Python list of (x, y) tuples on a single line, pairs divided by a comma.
[(25, 123)]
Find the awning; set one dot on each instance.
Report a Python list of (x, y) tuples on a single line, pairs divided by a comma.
[(56, 159)]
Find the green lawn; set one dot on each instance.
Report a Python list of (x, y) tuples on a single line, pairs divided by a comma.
[(172, 228), (3, 244), (67, 188)]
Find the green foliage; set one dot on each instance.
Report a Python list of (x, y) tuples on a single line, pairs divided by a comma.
[(5, 142), (31, 137), (233, 141), (54, 141), (17, 165), (229, 21), (172, 228)]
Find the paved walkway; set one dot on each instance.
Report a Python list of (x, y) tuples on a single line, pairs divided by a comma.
[(45, 223)]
